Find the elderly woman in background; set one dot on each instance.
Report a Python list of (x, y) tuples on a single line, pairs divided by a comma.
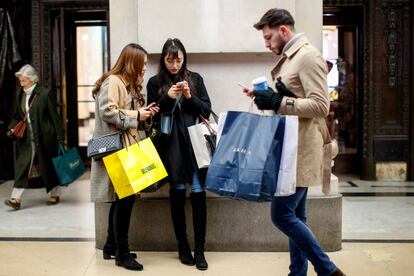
[(34, 151)]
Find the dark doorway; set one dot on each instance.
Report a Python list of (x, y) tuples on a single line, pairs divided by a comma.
[(80, 50), (343, 48)]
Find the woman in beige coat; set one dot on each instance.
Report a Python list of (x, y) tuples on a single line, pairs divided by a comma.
[(119, 106)]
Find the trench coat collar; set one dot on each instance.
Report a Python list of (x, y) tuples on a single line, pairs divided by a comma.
[(299, 43), (36, 89)]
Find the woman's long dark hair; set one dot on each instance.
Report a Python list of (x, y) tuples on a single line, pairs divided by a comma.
[(171, 48), (129, 65)]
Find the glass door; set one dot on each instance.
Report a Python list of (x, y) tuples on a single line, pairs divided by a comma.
[(91, 62)]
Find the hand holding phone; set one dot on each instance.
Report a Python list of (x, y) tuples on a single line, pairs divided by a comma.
[(247, 90), (242, 85), (153, 104), (180, 84)]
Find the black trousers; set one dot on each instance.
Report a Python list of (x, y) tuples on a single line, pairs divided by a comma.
[(118, 225)]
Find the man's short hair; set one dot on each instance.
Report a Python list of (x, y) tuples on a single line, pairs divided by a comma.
[(274, 18)]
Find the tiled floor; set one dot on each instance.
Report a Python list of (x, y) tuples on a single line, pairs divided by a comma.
[(374, 220), (80, 258)]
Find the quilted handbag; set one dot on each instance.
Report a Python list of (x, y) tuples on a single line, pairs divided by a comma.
[(104, 145)]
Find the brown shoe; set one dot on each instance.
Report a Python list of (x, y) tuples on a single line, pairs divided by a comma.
[(13, 202), (53, 200), (338, 272)]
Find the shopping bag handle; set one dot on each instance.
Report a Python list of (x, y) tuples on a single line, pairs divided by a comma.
[(208, 125), (215, 117), (61, 150)]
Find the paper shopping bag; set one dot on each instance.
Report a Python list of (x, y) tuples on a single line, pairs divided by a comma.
[(246, 162), (134, 168), (202, 150), (68, 165), (286, 182)]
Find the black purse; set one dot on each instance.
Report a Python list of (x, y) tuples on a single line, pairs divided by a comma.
[(167, 120), (155, 187), (102, 146), (212, 137)]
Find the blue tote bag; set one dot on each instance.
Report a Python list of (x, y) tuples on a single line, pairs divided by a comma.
[(68, 165), (246, 162)]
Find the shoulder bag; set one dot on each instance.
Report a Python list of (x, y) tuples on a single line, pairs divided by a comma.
[(167, 120), (18, 130)]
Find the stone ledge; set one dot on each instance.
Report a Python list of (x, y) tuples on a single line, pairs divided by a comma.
[(233, 225)]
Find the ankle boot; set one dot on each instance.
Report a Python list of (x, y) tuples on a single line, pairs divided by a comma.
[(338, 272), (128, 262), (108, 254), (177, 203), (198, 202)]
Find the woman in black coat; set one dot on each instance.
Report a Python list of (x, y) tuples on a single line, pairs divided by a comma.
[(39, 144), (176, 150)]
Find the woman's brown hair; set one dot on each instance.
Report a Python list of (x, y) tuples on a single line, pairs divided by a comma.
[(129, 66)]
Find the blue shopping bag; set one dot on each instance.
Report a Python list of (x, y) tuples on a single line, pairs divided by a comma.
[(68, 165), (246, 162)]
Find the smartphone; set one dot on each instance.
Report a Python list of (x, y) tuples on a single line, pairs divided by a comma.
[(180, 84), (242, 85), (153, 104)]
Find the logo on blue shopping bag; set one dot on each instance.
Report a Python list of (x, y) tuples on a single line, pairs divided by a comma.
[(242, 151)]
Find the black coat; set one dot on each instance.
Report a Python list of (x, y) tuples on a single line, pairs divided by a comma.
[(47, 131), (176, 151)]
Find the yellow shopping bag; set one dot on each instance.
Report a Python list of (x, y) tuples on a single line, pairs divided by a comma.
[(134, 168)]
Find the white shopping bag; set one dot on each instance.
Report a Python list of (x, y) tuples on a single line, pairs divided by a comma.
[(201, 149), (220, 125), (286, 181)]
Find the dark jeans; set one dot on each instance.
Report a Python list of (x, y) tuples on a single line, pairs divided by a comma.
[(118, 225), (289, 215)]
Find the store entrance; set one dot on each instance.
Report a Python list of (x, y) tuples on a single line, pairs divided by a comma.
[(342, 47), (82, 39)]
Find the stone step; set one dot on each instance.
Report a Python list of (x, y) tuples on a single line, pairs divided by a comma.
[(232, 225)]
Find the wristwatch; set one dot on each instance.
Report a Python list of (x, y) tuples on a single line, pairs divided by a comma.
[(290, 102)]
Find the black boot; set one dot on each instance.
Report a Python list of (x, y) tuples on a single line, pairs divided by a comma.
[(177, 203), (121, 220), (198, 202), (127, 261), (109, 249)]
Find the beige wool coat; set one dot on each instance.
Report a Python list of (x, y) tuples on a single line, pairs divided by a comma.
[(304, 72), (112, 103)]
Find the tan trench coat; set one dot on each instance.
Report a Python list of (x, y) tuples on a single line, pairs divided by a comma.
[(112, 98), (304, 72)]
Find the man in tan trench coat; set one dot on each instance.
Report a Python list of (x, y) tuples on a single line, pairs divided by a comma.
[(303, 92)]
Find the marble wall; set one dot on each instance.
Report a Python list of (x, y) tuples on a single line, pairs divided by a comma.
[(240, 57)]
